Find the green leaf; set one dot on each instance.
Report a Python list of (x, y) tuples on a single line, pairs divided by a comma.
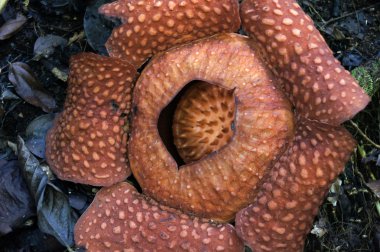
[(3, 3), (362, 152), (368, 77)]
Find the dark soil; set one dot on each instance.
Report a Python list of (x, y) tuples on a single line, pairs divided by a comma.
[(348, 220)]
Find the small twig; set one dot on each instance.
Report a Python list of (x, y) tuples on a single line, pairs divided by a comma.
[(325, 23), (356, 15), (364, 135)]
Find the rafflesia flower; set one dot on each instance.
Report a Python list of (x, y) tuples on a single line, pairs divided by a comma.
[(257, 124)]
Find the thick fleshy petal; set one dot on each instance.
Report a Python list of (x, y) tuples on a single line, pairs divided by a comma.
[(152, 26), (320, 88), (87, 143), (220, 184), (121, 219), (285, 208)]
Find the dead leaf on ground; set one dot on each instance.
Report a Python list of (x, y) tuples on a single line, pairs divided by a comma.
[(375, 187), (9, 28), (29, 88), (35, 134), (97, 27), (54, 214), (16, 202), (45, 46), (76, 37), (62, 75)]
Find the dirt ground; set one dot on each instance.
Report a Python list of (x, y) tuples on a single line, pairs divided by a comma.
[(349, 218)]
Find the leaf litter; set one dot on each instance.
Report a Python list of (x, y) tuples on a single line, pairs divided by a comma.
[(29, 88), (54, 214), (12, 26), (17, 205)]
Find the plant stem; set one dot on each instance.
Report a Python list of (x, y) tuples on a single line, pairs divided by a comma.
[(364, 135)]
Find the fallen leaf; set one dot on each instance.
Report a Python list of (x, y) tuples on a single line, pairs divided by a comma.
[(55, 3), (9, 28), (78, 201), (62, 75), (45, 46), (338, 34), (16, 202), (372, 158), (375, 187), (29, 88), (320, 228), (76, 37), (352, 59), (7, 94), (35, 134), (335, 191), (96, 27), (55, 216)]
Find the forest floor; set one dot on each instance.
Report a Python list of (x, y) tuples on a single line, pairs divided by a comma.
[(349, 218)]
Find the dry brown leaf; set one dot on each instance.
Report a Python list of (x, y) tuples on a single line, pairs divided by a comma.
[(9, 28), (29, 88)]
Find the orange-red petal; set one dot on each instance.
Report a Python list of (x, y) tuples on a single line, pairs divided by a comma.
[(151, 26), (319, 87), (285, 208), (121, 219), (87, 143)]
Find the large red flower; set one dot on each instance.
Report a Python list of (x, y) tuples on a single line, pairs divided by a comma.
[(274, 170)]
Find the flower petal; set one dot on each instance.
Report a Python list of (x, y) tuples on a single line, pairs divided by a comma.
[(320, 88), (121, 219), (152, 26), (285, 208), (87, 143)]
